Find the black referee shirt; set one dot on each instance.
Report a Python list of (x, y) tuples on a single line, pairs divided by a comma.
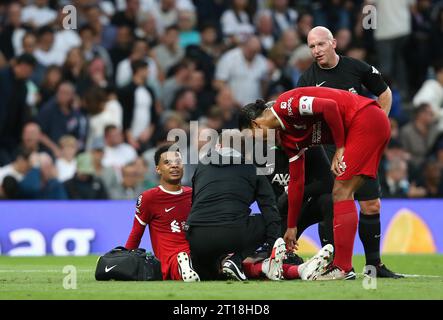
[(349, 74)]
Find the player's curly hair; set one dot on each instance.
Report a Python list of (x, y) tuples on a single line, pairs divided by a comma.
[(250, 112)]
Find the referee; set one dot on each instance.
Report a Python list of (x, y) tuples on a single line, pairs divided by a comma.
[(345, 73), (220, 223)]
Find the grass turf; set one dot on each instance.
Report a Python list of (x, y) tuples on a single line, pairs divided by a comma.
[(42, 278)]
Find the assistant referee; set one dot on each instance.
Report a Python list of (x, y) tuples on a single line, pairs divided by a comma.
[(345, 73)]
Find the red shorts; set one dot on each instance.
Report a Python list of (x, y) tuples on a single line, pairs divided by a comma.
[(365, 143)]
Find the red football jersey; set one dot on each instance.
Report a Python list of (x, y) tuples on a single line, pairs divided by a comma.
[(302, 128), (166, 213)]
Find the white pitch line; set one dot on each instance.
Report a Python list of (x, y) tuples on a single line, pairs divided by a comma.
[(412, 275), (42, 271)]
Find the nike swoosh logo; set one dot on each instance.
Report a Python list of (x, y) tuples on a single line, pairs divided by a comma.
[(299, 127), (319, 85), (167, 210), (270, 164), (109, 269)]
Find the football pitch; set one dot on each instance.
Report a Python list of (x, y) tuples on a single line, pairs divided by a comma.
[(43, 278)]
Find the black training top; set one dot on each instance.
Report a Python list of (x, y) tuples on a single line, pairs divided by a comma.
[(349, 74), (223, 193)]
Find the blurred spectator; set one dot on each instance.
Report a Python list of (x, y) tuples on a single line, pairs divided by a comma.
[(140, 51), (91, 49), (283, 17), (419, 49), (167, 14), (139, 108), (84, 185), (12, 32), (431, 92), (168, 52), (305, 23), (74, 66), (47, 53), (122, 46), (185, 104), (332, 14), (432, 181), (18, 168), (437, 34), (391, 35), (180, 75), (148, 29), (59, 117), (66, 164), (128, 16), (9, 189), (38, 14), (106, 174), (244, 70), (52, 78), (265, 31), (130, 187), (103, 109), (41, 181), (418, 136), (396, 184), (117, 153), (141, 169), (31, 136), (186, 25), (206, 53), (343, 37), (236, 24), (104, 34), (299, 62), (205, 96), (229, 108), (14, 111)]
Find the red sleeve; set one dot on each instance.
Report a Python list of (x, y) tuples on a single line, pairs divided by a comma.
[(142, 218), (295, 190), (329, 109), (135, 236)]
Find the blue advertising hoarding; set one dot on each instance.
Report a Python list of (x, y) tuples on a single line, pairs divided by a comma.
[(94, 227)]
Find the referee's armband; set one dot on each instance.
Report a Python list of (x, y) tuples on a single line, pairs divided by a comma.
[(305, 106)]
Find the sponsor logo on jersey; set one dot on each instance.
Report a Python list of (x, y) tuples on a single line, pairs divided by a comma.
[(167, 210), (283, 105), (320, 84), (374, 70), (316, 133), (175, 227), (300, 127), (290, 106), (352, 90), (139, 203), (281, 178)]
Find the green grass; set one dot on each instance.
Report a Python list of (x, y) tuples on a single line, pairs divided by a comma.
[(42, 278)]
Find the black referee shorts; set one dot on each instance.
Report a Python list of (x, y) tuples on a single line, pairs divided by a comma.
[(211, 244), (370, 190)]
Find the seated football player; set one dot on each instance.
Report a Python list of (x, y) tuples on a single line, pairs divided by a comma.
[(165, 209)]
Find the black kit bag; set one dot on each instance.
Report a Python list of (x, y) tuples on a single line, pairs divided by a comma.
[(128, 265)]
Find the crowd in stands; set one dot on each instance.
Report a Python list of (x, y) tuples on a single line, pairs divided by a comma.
[(82, 110)]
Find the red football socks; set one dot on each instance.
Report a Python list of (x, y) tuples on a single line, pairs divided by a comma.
[(252, 270), (290, 272), (345, 228)]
